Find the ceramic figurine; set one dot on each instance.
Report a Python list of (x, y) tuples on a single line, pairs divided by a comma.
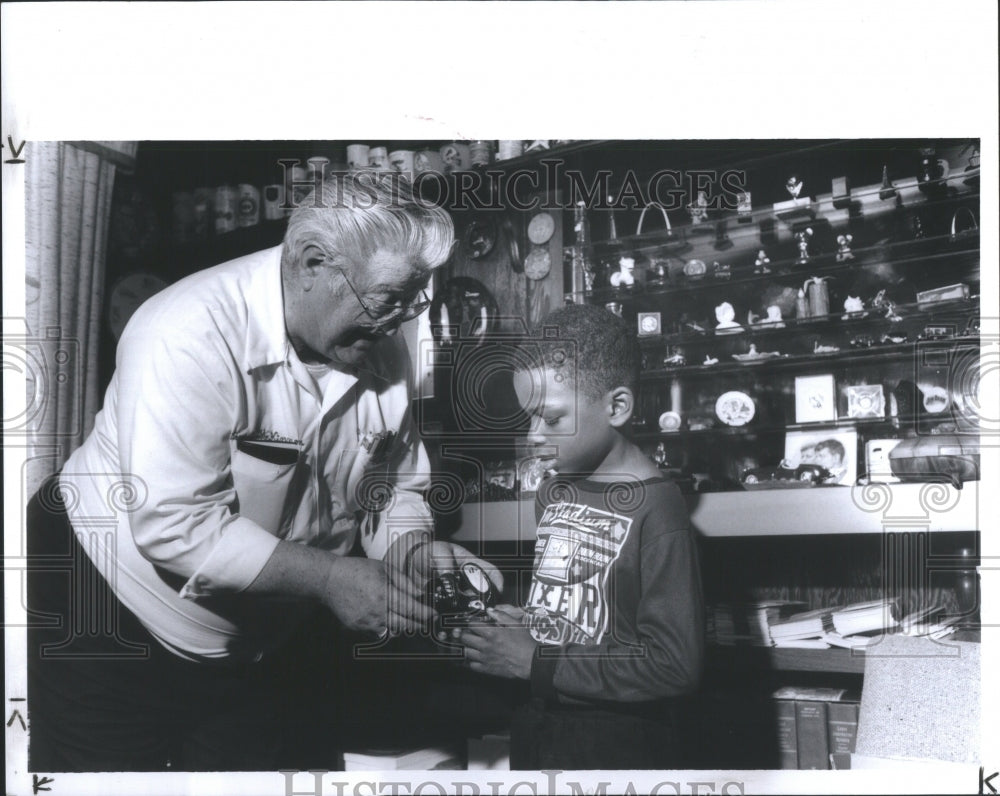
[(625, 275), (794, 186), (844, 248), (760, 265), (660, 456), (853, 307), (802, 241), (709, 360), (819, 348), (773, 318), (724, 314), (699, 210)]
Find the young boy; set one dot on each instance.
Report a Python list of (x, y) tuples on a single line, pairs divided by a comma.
[(612, 630)]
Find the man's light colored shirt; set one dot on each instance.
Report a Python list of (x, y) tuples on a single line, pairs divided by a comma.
[(215, 442)]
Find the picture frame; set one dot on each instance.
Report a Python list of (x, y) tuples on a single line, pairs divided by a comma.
[(835, 449), (865, 401), (815, 399), (649, 323)]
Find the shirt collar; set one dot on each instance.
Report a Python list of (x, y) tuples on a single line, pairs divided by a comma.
[(267, 341)]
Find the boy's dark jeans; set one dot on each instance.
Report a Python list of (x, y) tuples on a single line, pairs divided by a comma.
[(104, 695), (570, 738)]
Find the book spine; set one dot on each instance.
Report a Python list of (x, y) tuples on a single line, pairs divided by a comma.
[(842, 725), (788, 753), (811, 735)]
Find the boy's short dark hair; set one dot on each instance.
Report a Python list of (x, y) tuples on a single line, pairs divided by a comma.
[(592, 346)]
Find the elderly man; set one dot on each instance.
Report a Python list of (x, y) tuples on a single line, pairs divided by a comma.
[(256, 425)]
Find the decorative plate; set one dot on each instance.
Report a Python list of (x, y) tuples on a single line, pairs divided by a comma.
[(735, 408)]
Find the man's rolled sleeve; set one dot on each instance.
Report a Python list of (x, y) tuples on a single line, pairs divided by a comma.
[(235, 560)]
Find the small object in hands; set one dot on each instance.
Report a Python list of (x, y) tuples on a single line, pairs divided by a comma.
[(724, 314), (802, 241), (844, 252), (794, 186), (854, 307), (625, 275), (462, 596), (887, 191), (699, 209), (760, 265)]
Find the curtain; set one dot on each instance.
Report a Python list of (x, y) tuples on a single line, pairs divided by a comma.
[(68, 189)]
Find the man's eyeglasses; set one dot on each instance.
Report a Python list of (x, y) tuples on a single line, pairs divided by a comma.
[(385, 315)]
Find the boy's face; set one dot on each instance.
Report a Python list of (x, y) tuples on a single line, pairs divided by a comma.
[(573, 430), (828, 459)]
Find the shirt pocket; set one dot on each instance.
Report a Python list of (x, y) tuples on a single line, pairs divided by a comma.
[(262, 480)]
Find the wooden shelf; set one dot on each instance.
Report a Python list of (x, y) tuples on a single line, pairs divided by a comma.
[(787, 659), (875, 509)]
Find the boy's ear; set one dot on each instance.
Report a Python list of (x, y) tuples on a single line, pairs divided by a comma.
[(621, 404)]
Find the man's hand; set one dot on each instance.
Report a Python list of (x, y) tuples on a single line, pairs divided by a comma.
[(419, 558), (504, 649), (368, 595)]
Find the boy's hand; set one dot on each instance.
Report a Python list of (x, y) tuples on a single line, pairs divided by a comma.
[(504, 649)]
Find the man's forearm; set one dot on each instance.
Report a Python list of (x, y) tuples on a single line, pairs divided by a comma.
[(295, 570)]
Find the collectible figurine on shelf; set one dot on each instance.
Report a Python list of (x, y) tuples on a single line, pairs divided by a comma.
[(854, 307), (709, 360), (821, 348), (887, 191), (675, 361), (699, 210), (625, 275), (772, 320), (656, 274), (844, 252), (660, 455), (794, 186), (802, 241), (760, 265), (724, 314)]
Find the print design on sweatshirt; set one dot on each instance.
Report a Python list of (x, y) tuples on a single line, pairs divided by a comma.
[(576, 548)]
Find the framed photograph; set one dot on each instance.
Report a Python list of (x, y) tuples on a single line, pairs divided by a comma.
[(835, 449), (815, 399), (865, 401)]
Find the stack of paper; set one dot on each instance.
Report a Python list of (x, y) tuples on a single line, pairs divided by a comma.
[(418, 759)]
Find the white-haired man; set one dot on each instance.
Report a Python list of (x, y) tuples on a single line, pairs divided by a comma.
[(256, 425)]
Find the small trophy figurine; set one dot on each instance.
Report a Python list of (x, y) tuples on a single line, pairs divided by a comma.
[(794, 186), (844, 248), (660, 455), (802, 240), (625, 275), (760, 265), (699, 210)]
